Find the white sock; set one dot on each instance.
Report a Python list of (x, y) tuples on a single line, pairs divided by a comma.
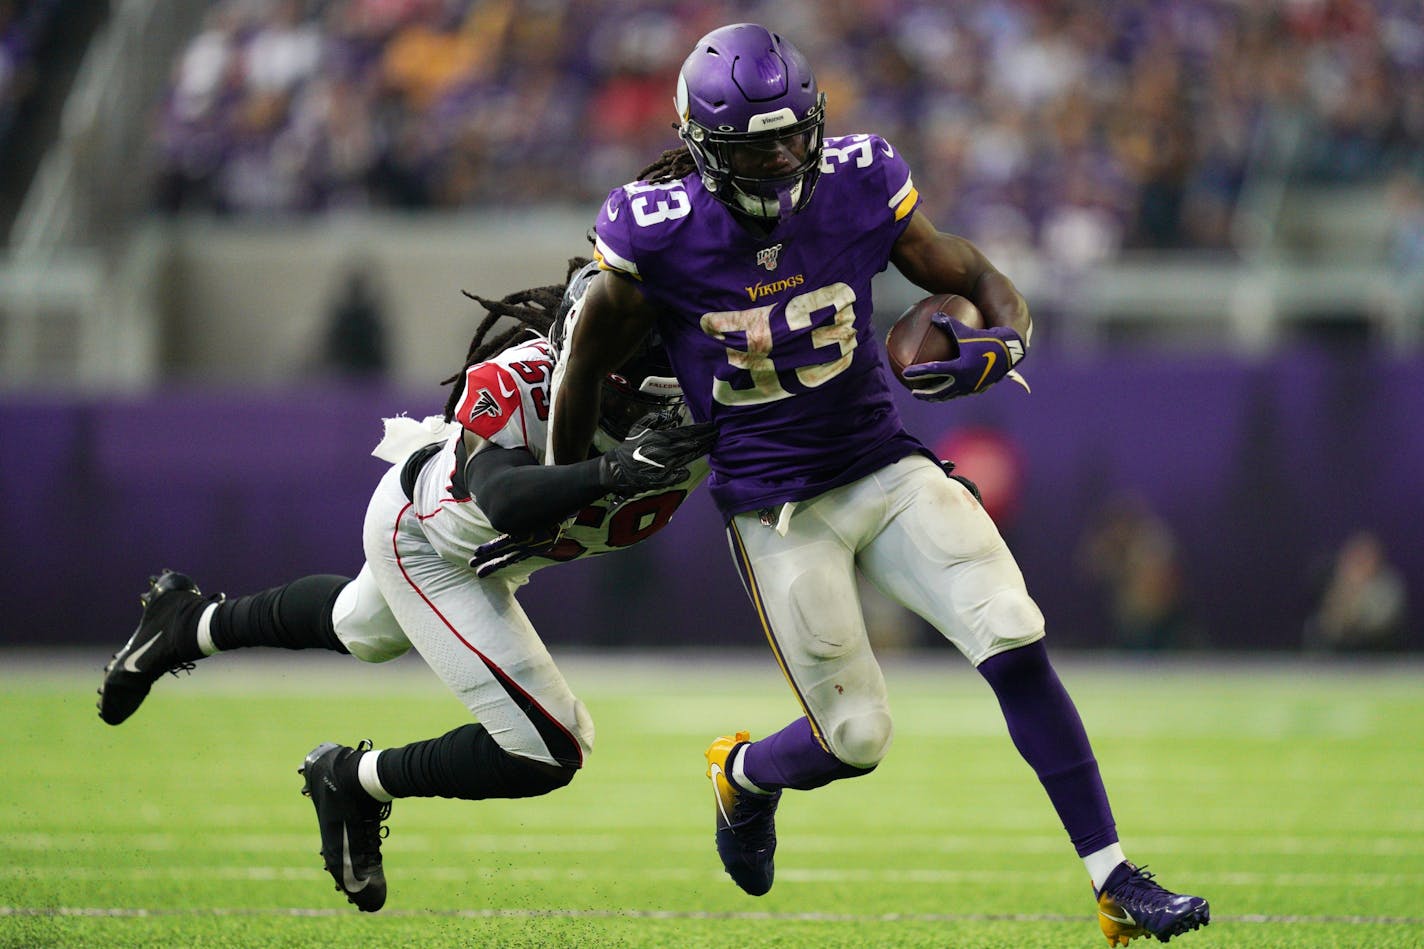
[(1100, 863), (205, 630), (370, 780), (739, 775)]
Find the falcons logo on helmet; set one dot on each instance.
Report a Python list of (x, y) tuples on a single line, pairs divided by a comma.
[(485, 404)]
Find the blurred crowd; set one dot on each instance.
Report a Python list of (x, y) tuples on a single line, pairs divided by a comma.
[(1077, 127)]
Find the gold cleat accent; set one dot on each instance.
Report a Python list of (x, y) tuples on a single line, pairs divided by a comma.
[(717, 756), (1117, 923)]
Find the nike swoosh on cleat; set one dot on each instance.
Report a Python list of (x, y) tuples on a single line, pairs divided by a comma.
[(348, 872), (714, 773), (130, 663), (639, 456), (1126, 918)]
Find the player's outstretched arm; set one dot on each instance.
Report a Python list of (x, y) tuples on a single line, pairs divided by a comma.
[(528, 501), (518, 495), (946, 263), (614, 319)]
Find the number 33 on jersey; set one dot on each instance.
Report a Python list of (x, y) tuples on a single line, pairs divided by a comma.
[(789, 324), (771, 328)]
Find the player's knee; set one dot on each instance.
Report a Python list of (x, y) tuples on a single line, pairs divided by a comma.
[(539, 777), (363, 622), (1013, 616), (863, 740), (377, 649), (583, 729)]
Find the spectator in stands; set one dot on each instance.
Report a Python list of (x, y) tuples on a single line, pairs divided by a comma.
[(356, 340), (1363, 605), (1133, 554), (1074, 128)]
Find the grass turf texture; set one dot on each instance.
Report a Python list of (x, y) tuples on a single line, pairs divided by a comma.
[(1292, 796)]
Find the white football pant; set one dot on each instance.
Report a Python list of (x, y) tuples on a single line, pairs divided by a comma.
[(924, 541), (471, 632)]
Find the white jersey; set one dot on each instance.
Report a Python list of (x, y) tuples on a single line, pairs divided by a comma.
[(417, 587), (506, 403)]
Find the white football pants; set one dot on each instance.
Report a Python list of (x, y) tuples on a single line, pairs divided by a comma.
[(924, 541), (471, 632)]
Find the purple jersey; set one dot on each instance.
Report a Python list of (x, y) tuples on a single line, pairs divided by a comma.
[(771, 335)]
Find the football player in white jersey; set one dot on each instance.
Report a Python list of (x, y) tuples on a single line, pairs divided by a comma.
[(465, 514)]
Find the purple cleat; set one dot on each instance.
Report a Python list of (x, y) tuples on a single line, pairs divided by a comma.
[(1130, 904)]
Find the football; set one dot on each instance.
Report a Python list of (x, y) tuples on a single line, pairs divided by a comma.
[(914, 339)]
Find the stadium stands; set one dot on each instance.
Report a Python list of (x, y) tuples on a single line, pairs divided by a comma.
[(1080, 129), (1179, 186)]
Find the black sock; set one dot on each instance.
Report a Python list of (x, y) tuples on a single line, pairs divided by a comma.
[(468, 764), (294, 616)]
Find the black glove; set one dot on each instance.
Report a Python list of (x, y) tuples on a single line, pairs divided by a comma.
[(653, 458), (507, 549)]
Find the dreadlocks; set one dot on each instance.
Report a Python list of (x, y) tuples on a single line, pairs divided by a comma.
[(671, 165), (533, 311)]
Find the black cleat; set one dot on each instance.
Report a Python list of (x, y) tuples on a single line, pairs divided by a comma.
[(159, 645), (350, 823), (746, 822)]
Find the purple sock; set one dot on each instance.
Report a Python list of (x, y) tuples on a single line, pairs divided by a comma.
[(793, 758), (1047, 731)]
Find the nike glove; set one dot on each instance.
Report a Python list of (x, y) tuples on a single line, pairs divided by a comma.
[(651, 458), (985, 356), (508, 549)]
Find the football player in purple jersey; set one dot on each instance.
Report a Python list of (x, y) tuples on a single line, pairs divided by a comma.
[(458, 523), (751, 250)]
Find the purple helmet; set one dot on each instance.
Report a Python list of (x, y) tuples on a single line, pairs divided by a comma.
[(753, 119)]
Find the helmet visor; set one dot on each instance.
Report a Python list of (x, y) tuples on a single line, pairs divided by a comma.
[(779, 156), (766, 172)]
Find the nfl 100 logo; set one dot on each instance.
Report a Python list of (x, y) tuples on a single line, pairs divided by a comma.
[(766, 257)]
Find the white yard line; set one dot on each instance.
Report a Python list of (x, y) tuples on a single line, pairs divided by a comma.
[(925, 877), (135, 912)]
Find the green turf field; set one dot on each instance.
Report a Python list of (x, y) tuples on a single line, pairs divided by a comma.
[(1291, 796)]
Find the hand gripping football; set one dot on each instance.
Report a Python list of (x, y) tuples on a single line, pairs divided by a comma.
[(915, 339)]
